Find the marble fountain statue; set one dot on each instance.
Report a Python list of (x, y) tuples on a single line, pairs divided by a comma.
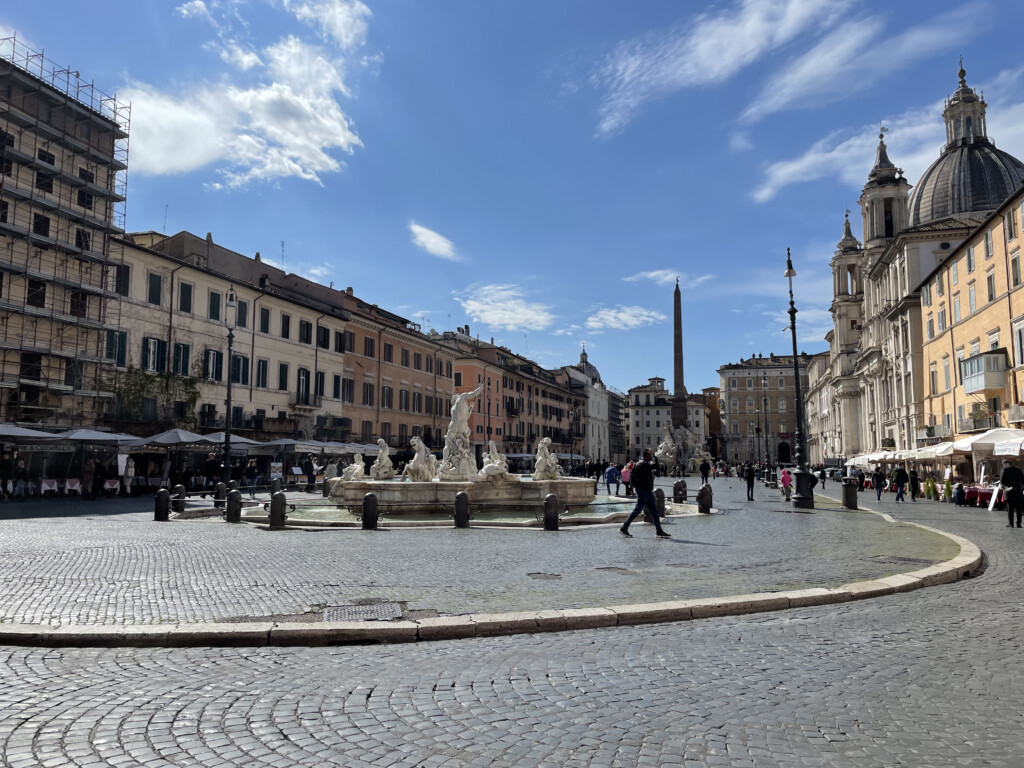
[(427, 485)]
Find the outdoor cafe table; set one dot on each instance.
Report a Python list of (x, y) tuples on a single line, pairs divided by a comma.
[(978, 496)]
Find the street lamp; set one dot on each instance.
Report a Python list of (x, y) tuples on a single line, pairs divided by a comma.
[(803, 480), (229, 304), (764, 410)]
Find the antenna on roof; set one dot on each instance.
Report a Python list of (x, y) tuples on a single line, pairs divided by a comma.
[(282, 257), (166, 206)]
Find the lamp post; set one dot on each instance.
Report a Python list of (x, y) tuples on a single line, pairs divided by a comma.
[(803, 480), (764, 411), (229, 304), (488, 446)]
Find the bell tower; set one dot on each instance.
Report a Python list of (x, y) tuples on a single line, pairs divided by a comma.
[(883, 203)]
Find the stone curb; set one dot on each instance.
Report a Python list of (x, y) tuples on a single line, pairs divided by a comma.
[(489, 624)]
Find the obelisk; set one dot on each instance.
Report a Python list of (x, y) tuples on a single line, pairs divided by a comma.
[(679, 387)]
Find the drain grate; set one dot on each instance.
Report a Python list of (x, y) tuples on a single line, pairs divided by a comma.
[(375, 612)]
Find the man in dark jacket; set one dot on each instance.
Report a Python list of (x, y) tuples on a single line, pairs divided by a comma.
[(748, 475), (900, 478), (309, 470), (211, 473), (643, 483), (1012, 482)]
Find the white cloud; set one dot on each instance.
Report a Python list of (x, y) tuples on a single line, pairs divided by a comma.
[(706, 50), (503, 306), (623, 318), (433, 243), (318, 273), (668, 277), (195, 9), (740, 141), (345, 21), (237, 56), (851, 59)]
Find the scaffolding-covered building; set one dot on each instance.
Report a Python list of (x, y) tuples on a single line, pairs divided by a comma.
[(64, 152)]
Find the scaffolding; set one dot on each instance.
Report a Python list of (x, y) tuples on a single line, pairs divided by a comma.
[(63, 181)]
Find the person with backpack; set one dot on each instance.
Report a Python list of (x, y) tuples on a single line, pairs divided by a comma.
[(642, 478)]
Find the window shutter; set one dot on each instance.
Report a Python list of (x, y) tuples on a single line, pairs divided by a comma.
[(161, 356), (177, 358), (206, 364), (219, 366), (145, 353)]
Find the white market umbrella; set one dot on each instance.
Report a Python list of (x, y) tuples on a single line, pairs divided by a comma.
[(92, 436), (172, 438), (985, 442), (12, 432), (217, 438)]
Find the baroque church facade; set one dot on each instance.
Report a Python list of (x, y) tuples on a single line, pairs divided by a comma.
[(869, 397)]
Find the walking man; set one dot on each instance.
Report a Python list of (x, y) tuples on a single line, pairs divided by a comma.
[(900, 478), (878, 482), (705, 470), (748, 475), (1012, 482), (642, 479), (611, 475), (211, 473)]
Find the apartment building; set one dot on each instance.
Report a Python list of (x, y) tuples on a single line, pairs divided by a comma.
[(63, 165)]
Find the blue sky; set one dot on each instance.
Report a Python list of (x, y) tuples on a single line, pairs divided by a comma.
[(540, 170)]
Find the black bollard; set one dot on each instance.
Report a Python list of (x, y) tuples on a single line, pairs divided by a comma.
[(234, 511), (278, 502), (220, 493), (679, 491), (233, 485), (178, 494), (462, 510), (551, 512), (325, 488), (659, 501), (163, 506), (370, 512), (275, 486), (850, 493)]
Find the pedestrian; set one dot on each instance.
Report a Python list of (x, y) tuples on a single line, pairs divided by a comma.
[(129, 475), (211, 473), (309, 470), (960, 495), (6, 472), (705, 470), (915, 485), (786, 480), (252, 474), (88, 478), (878, 482), (748, 475), (1012, 482), (947, 491), (900, 478), (642, 478), (627, 478), (861, 479), (612, 475), (822, 476), (20, 480)]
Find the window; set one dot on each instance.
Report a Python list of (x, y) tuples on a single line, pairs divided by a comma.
[(117, 347), (74, 374), (988, 244), (945, 374), (85, 199), (734, 405), (368, 346), (213, 365), (1015, 269), (417, 361), (319, 383), (282, 376), (942, 319), (337, 387), (732, 385), (405, 358), (262, 373), (403, 399), (44, 181), (389, 353), (1018, 343), (180, 366), (241, 313), (933, 378), (8, 168), (36, 295), (214, 306), (458, 377), (264, 320), (417, 402), (185, 298), (348, 390), (970, 259), (956, 308), (339, 341), (47, 157), (938, 285), (4, 209), (993, 340), (448, 371), (931, 328), (323, 337), (41, 225), (782, 404), (154, 355), (350, 341), (430, 364), (368, 393), (286, 326), (86, 175), (955, 274), (1009, 225), (78, 304), (990, 284), (387, 397), (971, 300), (428, 404), (305, 332), (750, 384), (926, 295)]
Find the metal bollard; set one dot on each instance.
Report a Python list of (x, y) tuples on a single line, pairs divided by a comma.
[(704, 499), (849, 493), (233, 485), (462, 510), (275, 486), (551, 512), (370, 512), (163, 506), (325, 488), (278, 502), (178, 494), (220, 493), (659, 500), (234, 511)]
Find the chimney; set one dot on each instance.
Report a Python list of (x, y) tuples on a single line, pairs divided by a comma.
[(467, 329), (257, 257), (348, 291)]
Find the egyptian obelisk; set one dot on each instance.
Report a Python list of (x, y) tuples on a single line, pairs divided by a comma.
[(679, 387)]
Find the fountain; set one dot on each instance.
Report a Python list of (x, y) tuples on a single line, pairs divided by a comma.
[(428, 486)]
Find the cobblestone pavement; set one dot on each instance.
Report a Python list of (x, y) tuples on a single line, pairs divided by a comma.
[(926, 678), (119, 567)]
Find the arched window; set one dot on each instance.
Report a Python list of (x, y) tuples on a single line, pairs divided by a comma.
[(967, 130), (957, 131)]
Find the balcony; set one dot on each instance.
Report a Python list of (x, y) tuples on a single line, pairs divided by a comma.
[(1016, 413), (977, 423), (984, 372), (306, 402), (938, 430)]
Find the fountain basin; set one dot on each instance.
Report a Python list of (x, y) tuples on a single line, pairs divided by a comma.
[(439, 495)]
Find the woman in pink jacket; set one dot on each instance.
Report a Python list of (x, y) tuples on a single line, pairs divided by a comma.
[(786, 480)]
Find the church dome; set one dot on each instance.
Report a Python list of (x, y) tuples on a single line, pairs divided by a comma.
[(971, 175)]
